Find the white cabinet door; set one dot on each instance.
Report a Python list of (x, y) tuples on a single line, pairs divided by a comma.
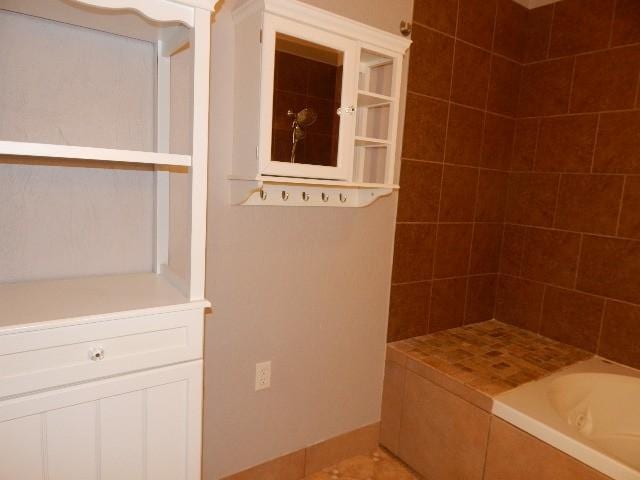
[(135, 427)]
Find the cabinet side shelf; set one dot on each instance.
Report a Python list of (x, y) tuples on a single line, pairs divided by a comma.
[(45, 150)]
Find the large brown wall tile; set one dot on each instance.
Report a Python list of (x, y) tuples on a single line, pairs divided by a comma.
[(536, 42), (413, 252), (504, 86), (476, 20), (492, 191), (425, 128), (458, 199), (551, 256), (580, 26), (525, 144), (392, 398), (618, 145), (420, 184), (453, 246), (610, 267), (589, 203), (630, 214), (519, 302), (513, 454), (448, 445), (409, 310), (545, 88), (572, 317), (447, 304), (481, 298), (464, 136), (430, 64), (511, 21), (438, 14), (512, 253), (498, 142), (485, 250), (531, 198), (606, 80), (625, 25), (470, 75), (620, 333), (566, 143)]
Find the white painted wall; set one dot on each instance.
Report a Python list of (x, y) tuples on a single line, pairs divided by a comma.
[(69, 85), (307, 288)]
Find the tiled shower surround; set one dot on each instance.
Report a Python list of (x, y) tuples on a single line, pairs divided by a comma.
[(520, 178)]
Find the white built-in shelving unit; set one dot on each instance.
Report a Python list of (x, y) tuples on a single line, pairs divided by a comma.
[(101, 376)]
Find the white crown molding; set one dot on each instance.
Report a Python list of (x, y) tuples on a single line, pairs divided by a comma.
[(531, 4), (302, 12)]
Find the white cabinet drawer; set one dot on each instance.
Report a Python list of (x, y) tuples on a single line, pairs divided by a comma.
[(44, 358)]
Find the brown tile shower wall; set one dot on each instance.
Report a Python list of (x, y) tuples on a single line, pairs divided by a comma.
[(570, 262), (460, 121)]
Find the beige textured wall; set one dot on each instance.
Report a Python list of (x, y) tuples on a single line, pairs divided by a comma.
[(96, 90), (306, 288)]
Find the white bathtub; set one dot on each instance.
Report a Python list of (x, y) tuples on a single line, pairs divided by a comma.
[(590, 410)]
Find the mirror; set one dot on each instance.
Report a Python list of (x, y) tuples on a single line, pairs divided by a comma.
[(306, 96)]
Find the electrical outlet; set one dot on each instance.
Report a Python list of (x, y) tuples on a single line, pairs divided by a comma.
[(263, 375)]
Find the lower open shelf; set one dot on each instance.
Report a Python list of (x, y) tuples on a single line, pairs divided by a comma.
[(27, 303)]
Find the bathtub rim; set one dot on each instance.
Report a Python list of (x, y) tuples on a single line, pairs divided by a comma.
[(528, 408)]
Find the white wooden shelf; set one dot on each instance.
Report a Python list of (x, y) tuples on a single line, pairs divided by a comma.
[(371, 142), (266, 190), (26, 149), (372, 100), (29, 303)]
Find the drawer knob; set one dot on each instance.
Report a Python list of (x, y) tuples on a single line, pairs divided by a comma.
[(96, 354)]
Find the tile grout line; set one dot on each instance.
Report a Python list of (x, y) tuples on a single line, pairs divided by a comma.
[(595, 145), (637, 103), (486, 450), (482, 140), (535, 148), (572, 82), (568, 289), (555, 208), (583, 54), (562, 230), (602, 317), (544, 295), (553, 19), (464, 105), (613, 21), (466, 42), (621, 206), (446, 138), (578, 262)]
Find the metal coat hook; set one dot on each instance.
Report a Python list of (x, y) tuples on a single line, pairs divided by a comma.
[(405, 28)]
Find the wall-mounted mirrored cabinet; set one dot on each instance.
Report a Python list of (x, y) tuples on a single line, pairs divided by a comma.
[(317, 100)]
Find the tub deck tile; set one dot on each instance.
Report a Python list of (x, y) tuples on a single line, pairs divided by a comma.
[(481, 360)]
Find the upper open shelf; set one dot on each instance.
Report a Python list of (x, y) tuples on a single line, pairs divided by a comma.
[(26, 149), (372, 100)]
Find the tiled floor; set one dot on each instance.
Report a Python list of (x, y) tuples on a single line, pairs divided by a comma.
[(378, 466)]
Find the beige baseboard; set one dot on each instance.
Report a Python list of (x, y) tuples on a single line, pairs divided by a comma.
[(303, 462)]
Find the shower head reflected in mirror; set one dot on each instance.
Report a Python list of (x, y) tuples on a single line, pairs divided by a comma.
[(305, 117), (301, 120)]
